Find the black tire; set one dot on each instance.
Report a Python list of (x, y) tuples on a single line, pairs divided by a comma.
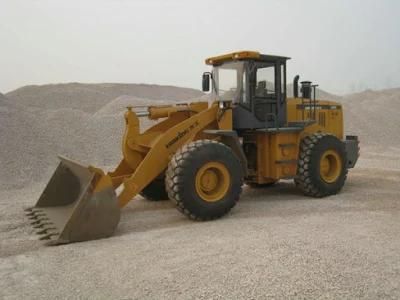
[(309, 178), (155, 191), (261, 185), (181, 179)]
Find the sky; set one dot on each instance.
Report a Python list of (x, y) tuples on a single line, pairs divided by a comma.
[(344, 45)]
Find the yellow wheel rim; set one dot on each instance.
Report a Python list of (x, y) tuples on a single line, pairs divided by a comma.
[(330, 166), (212, 181)]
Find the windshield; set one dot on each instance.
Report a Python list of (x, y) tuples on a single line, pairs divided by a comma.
[(229, 82)]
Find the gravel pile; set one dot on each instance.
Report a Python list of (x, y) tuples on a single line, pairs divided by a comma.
[(92, 97), (33, 138), (2, 99), (91, 133), (374, 116)]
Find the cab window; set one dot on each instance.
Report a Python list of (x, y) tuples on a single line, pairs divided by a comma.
[(265, 82)]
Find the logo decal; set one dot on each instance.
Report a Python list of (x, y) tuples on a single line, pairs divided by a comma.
[(181, 134)]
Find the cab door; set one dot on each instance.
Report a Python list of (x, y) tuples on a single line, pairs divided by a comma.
[(268, 92)]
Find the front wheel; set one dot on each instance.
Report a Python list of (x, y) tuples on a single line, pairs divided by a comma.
[(204, 179)]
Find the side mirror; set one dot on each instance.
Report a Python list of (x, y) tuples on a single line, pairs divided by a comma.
[(206, 82)]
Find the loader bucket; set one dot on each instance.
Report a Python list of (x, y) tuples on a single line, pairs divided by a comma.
[(78, 204)]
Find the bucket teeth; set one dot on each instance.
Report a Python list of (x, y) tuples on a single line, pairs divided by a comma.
[(37, 216), (48, 236), (45, 230), (33, 211), (40, 225), (34, 214), (39, 221), (32, 208)]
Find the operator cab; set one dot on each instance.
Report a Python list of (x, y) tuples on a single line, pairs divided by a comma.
[(254, 83)]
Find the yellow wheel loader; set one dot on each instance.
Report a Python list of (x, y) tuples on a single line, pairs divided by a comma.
[(200, 154)]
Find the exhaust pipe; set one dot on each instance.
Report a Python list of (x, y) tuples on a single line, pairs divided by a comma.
[(296, 86), (306, 88)]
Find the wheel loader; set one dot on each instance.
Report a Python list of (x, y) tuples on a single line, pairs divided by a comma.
[(200, 154)]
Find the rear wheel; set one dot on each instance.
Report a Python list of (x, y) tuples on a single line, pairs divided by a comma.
[(321, 169), (155, 190), (204, 179)]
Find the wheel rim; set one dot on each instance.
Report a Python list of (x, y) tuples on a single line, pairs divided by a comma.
[(330, 166), (212, 181)]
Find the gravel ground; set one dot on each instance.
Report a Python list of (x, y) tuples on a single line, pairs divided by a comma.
[(276, 243)]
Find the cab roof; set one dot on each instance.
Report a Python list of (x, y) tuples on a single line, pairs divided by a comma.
[(243, 55)]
